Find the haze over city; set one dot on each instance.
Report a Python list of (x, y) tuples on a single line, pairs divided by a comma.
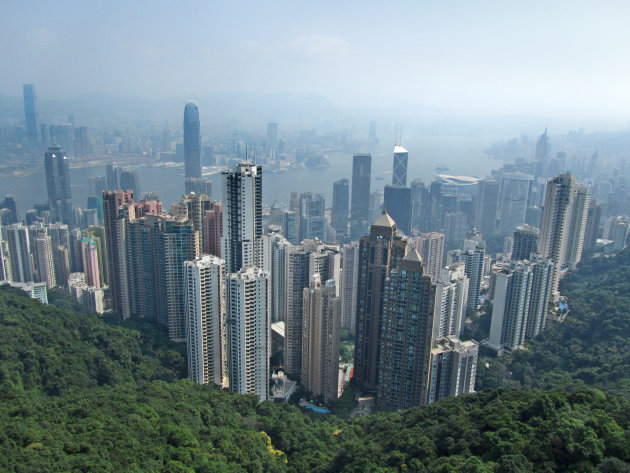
[(559, 61)]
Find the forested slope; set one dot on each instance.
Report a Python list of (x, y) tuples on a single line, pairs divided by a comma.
[(79, 394), (590, 348)]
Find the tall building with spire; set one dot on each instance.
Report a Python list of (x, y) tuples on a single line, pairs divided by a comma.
[(58, 185), (192, 141), (379, 253), (242, 215)]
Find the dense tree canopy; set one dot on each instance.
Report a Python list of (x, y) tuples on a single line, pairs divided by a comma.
[(80, 393)]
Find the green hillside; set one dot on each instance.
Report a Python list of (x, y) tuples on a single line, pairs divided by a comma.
[(82, 394)]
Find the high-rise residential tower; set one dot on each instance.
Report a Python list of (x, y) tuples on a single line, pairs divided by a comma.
[(555, 223), (525, 242), (360, 199), (379, 253), (320, 339), (473, 256), (249, 331), (592, 224), (431, 249), (577, 226), (242, 215), (313, 222), (192, 141), (406, 336), (19, 252), (349, 285), (206, 327)]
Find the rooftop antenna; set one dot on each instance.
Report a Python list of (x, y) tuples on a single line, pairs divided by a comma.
[(396, 135), (246, 153)]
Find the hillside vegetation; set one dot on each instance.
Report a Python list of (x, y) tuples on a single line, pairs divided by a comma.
[(78, 393)]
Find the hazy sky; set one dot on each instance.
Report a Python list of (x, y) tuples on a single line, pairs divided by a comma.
[(556, 58)]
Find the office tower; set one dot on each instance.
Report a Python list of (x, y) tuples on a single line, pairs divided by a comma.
[(379, 253), (525, 242), (113, 203), (45, 136), (420, 206), (58, 184), (192, 141), (397, 203), (360, 197), (486, 208), (30, 113), (313, 223), (11, 204), (521, 294), (399, 175), (555, 219), (113, 177), (406, 336), (242, 214), (453, 368), (456, 227), (81, 142), (44, 257), (576, 228), (375, 207), (285, 220), (63, 135), (198, 186), (543, 149), (472, 255), (302, 263), (89, 251), (249, 331), (592, 224), (349, 285), (341, 208), (372, 131), (206, 327), (272, 135), (213, 229), (320, 335), (513, 199), (129, 180), (19, 249), (431, 249), (451, 296), (271, 257)]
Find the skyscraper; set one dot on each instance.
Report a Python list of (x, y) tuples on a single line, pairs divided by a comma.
[(592, 224), (513, 200), (399, 175), (129, 180), (543, 149), (349, 285), (451, 297), (525, 242), (397, 203), (30, 113), (431, 249), (472, 255), (206, 328), (302, 263), (242, 214), (320, 339), (486, 209), (576, 226), (313, 223), (249, 331), (271, 255), (192, 141), (213, 229), (58, 184), (341, 208), (453, 368), (406, 332), (113, 203), (19, 251), (44, 255), (272, 135), (361, 175), (89, 251), (555, 220), (379, 253)]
